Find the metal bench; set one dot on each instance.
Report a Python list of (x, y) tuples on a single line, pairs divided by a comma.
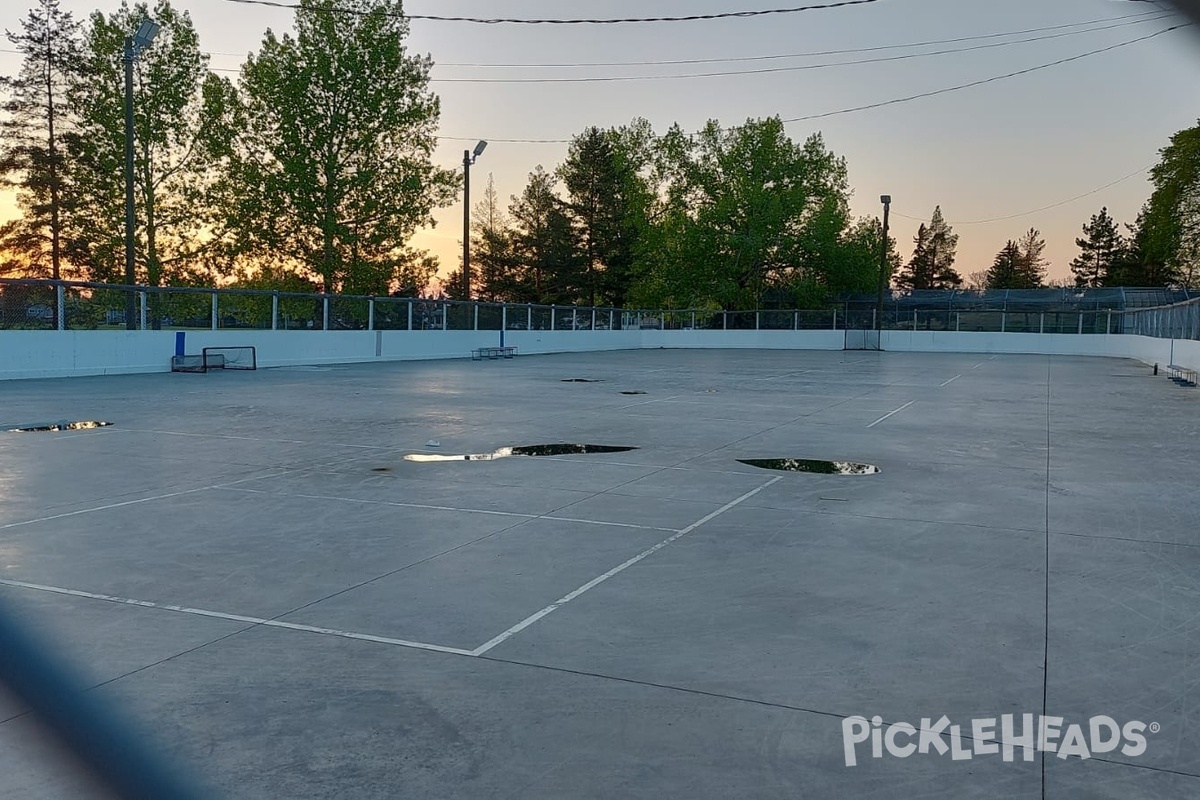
[(491, 353), (1182, 375)]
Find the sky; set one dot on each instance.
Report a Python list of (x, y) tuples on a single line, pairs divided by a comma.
[(1001, 149)]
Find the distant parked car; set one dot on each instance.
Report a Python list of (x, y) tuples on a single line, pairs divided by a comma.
[(40, 311)]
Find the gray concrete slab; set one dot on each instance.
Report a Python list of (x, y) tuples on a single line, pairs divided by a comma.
[(817, 612), (534, 627), (239, 552), (465, 597), (425, 725)]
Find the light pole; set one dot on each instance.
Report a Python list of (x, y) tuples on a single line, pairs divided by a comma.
[(469, 157), (883, 262), (134, 45)]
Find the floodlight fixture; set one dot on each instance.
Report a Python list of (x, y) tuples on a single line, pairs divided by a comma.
[(479, 148), (145, 34)]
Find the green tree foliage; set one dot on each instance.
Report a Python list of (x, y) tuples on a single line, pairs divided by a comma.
[(546, 256), (1099, 251), (857, 258), (333, 168), (1185, 265), (179, 117), (1135, 263), (1020, 264), (917, 273), (493, 266), (1005, 272), (608, 197), (745, 210), (32, 156), (1168, 231), (1033, 263), (932, 263)]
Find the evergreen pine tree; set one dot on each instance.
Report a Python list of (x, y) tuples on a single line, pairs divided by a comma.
[(1098, 251), (943, 244), (917, 273), (32, 157), (932, 263), (1006, 270)]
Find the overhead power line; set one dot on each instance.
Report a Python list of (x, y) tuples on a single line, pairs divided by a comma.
[(813, 54), (1060, 203), (993, 79), (519, 21), (899, 100), (1144, 15), (797, 68)]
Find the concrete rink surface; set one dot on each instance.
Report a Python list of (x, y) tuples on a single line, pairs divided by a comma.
[(314, 616)]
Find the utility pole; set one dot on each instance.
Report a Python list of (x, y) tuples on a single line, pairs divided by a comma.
[(134, 45), (466, 224), (883, 262), (468, 159), (130, 223)]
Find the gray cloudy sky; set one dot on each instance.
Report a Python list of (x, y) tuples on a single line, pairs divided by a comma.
[(991, 151)]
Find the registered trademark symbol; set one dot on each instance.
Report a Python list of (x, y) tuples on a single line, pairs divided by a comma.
[(1155, 727)]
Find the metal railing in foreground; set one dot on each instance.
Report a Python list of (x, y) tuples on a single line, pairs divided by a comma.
[(72, 305)]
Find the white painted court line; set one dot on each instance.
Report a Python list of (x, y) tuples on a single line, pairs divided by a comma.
[(787, 375), (562, 601), (649, 402), (952, 380), (427, 507), (890, 414), (270, 623), (135, 502)]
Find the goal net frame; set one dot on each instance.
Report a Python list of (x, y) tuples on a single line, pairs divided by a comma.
[(243, 358)]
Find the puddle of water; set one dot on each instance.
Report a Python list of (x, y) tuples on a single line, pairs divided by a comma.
[(581, 380), (567, 449), (529, 450), (812, 467), (63, 425)]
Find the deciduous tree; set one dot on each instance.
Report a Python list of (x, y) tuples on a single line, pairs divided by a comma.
[(334, 168), (181, 113)]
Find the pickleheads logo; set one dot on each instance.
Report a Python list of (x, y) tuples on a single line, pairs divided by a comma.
[(995, 736)]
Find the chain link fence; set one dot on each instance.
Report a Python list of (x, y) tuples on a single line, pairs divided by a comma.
[(66, 305)]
